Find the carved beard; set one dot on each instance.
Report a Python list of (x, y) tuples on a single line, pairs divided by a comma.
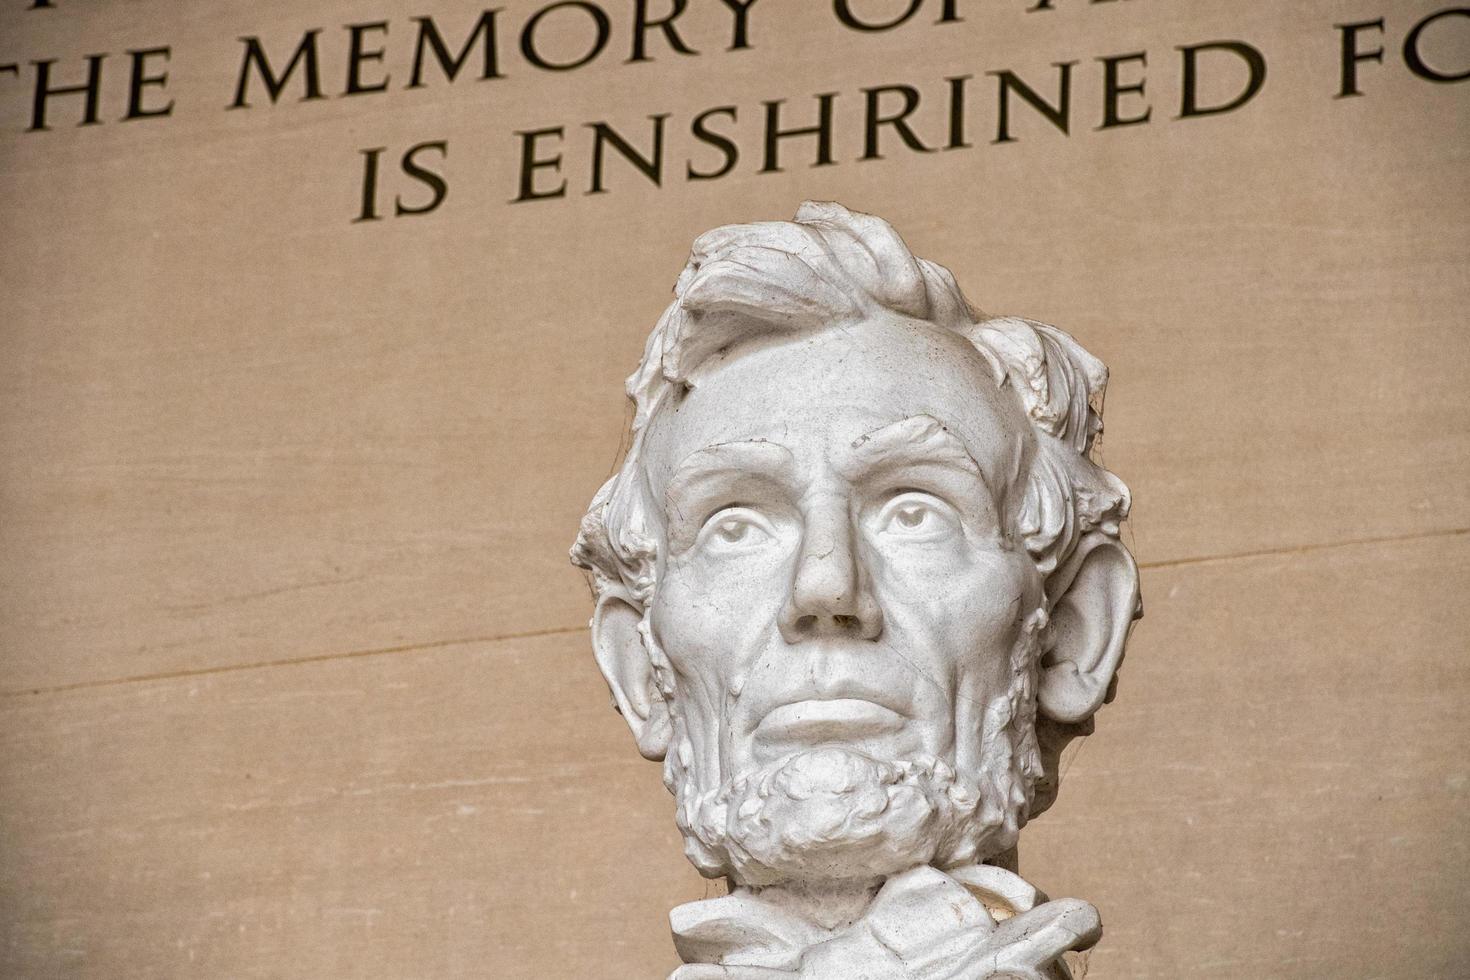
[(835, 814)]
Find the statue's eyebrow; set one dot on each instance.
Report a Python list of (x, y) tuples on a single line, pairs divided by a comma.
[(724, 469), (918, 439)]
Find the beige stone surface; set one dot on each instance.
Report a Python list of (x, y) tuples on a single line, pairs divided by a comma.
[(1282, 791), (1250, 807), (285, 500), (249, 431)]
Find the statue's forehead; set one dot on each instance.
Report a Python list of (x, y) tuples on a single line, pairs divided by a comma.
[(822, 395)]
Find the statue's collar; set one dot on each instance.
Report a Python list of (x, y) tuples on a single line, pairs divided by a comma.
[(966, 924)]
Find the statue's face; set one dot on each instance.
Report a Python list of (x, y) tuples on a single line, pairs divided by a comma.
[(838, 565)]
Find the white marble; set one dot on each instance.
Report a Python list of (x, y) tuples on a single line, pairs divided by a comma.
[(858, 582)]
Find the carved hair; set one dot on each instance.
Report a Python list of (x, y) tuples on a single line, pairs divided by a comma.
[(830, 266)]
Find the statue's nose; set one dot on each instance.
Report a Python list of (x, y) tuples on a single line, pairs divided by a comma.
[(831, 590)]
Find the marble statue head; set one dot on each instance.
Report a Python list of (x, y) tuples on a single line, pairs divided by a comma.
[(858, 578)]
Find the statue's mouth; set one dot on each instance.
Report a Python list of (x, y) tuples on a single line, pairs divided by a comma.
[(815, 721)]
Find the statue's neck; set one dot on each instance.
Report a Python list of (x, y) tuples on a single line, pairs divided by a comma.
[(831, 904), (835, 904)]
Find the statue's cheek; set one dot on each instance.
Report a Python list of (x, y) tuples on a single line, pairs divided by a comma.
[(714, 610)]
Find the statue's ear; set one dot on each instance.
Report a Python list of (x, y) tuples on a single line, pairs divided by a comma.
[(629, 673), (1089, 625)]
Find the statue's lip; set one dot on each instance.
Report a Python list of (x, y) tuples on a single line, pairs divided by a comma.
[(816, 720)]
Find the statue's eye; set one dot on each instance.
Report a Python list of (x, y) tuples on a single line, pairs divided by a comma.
[(917, 515), (913, 516), (734, 528), (732, 531)]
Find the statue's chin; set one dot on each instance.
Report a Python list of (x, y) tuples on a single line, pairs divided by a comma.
[(836, 815)]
